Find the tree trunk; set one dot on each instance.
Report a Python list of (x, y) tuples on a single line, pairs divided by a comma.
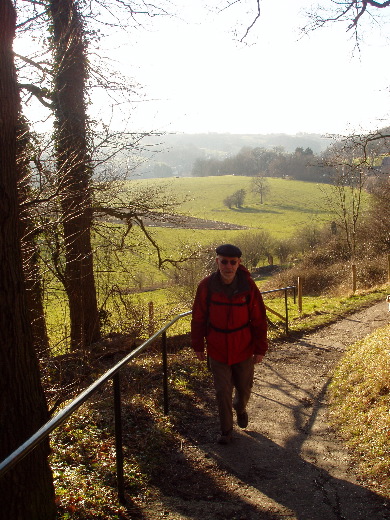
[(74, 170), (32, 275), (26, 491)]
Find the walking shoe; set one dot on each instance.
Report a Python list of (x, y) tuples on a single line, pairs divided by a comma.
[(242, 419), (225, 438)]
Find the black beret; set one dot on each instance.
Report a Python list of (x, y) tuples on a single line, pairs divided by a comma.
[(228, 250)]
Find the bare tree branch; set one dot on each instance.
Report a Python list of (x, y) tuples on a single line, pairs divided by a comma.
[(351, 11), (162, 261), (230, 3), (253, 23), (33, 63), (39, 93)]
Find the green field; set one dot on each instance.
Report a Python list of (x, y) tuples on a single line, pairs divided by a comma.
[(288, 206)]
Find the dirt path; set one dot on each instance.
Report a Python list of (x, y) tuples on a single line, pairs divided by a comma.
[(287, 464)]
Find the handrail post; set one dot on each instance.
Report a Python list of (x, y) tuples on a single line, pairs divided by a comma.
[(165, 372), (118, 438), (286, 307)]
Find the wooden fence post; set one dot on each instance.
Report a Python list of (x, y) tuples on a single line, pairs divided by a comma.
[(151, 319), (388, 268), (353, 278), (299, 294)]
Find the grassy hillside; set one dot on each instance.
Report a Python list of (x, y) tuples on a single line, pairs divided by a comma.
[(360, 393), (289, 205)]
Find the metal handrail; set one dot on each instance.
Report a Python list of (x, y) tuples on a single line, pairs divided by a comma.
[(282, 289), (23, 450), (68, 410)]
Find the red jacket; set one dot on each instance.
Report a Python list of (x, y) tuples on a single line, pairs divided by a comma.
[(235, 326)]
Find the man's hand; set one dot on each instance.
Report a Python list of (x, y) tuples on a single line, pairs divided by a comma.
[(200, 355), (258, 358)]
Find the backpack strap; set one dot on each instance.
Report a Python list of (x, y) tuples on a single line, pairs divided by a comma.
[(228, 331), (208, 301)]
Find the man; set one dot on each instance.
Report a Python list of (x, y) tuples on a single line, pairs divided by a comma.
[(229, 313)]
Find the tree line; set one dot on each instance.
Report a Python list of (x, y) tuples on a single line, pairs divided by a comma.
[(302, 164)]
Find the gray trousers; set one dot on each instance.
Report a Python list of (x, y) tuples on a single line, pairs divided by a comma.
[(226, 377)]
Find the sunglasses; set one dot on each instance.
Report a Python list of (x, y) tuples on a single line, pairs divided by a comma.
[(231, 262)]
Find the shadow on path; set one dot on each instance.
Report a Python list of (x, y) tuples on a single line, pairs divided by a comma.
[(287, 464), (298, 488), (278, 472)]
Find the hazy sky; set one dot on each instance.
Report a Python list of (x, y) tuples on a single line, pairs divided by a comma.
[(199, 79)]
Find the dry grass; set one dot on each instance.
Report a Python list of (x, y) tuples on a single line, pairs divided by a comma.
[(360, 406), (83, 451), (319, 278)]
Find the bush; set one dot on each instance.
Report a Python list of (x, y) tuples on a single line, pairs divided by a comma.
[(255, 247), (371, 272), (320, 275), (315, 281), (236, 199)]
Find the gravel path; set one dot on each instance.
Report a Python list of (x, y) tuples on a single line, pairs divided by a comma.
[(288, 463)]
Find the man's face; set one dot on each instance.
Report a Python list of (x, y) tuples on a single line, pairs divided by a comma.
[(228, 266)]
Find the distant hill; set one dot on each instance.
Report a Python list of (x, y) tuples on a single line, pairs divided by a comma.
[(232, 143), (176, 153)]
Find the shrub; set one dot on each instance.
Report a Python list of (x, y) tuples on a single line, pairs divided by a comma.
[(236, 199), (320, 275), (315, 280)]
